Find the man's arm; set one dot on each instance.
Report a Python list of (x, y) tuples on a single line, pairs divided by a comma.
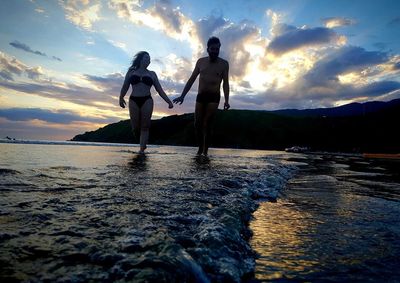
[(189, 83), (225, 86)]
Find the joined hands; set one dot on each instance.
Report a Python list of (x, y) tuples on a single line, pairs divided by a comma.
[(178, 100)]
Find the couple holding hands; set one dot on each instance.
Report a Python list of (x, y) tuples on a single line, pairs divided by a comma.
[(212, 70)]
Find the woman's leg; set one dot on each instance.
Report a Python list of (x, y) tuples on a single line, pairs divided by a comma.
[(145, 120), (211, 110), (134, 113)]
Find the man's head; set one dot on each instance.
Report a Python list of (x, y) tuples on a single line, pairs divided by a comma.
[(213, 45)]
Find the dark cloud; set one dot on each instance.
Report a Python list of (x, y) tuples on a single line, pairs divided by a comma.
[(396, 66), (26, 48), (110, 84), (67, 92), (297, 38), (379, 88), (59, 117), (346, 59)]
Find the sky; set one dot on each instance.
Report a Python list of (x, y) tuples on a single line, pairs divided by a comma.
[(63, 62)]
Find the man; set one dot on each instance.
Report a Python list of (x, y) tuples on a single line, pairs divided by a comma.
[(213, 70)]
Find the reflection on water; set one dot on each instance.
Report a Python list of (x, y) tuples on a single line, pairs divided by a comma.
[(138, 161), (333, 223)]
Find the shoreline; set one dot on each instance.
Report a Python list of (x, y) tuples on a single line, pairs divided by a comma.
[(375, 155)]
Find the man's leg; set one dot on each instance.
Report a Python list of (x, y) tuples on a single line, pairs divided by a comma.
[(198, 125), (210, 111)]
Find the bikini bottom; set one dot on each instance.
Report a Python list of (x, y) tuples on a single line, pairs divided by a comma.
[(140, 100)]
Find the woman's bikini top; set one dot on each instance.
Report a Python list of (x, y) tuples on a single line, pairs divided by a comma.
[(135, 79)]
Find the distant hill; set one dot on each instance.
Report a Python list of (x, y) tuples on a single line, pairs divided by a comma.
[(356, 127), (352, 109)]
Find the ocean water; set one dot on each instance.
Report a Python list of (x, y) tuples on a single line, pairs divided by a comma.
[(74, 213), (336, 220)]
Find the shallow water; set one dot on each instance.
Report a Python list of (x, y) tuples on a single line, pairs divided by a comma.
[(336, 221), (71, 213)]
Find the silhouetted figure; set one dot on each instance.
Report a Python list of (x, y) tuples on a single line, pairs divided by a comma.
[(140, 102), (213, 70)]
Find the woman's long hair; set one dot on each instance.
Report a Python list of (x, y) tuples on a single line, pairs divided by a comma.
[(137, 59)]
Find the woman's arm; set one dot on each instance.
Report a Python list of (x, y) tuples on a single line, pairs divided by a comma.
[(160, 91), (124, 90)]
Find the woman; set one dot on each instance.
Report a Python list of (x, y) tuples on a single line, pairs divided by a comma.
[(140, 102)]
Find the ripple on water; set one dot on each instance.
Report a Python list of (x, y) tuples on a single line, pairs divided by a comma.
[(167, 216)]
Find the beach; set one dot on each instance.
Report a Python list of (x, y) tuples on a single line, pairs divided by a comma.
[(78, 213)]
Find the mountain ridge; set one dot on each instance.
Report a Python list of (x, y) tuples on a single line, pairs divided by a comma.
[(374, 129)]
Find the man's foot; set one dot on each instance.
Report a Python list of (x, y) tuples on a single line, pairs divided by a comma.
[(142, 149)]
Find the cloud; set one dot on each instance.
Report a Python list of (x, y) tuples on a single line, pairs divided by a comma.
[(299, 96), (304, 77), (34, 73), (26, 48), (234, 41), (165, 17), (56, 58), (344, 60), (371, 75), (82, 13), (161, 16), (10, 66), (333, 22), (100, 92), (59, 116), (42, 85), (294, 38), (210, 26)]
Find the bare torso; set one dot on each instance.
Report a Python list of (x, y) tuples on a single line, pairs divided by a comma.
[(211, 74)]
